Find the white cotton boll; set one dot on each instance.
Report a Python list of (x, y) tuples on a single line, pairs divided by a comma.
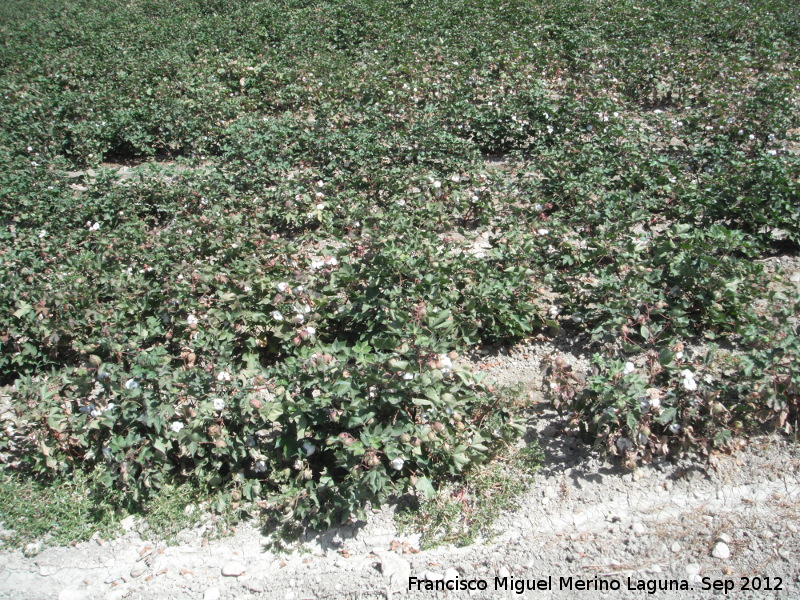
[(624, 444), (219, 404), (192, 320), (276, 315), (309, 448), (260, 466), (131, 384), (42, 234), (224, 376), (674, 428), (282, 287), (629, 367), (408, 376), (397, 464), (298, 318), (543, 231), (689, 384), (679, 355), (176, 426)]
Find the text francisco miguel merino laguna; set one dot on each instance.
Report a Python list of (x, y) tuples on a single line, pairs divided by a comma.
[(575, 584)]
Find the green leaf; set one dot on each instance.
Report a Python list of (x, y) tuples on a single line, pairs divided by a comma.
[(424, 485)]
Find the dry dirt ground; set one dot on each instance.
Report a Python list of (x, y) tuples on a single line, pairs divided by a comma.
[(584, 529)]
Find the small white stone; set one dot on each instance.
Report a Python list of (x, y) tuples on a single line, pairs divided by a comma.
[(637, 528), (395, 569), (71, 595), (233, 569), (795, 277), (503, 572), (211, 594), (676, 547), (721, 551), (451, 574), (432, 576), (128, 523), (724, 537), (117, 594), (138, 569)]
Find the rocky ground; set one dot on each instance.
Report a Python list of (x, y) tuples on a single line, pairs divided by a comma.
[(584, 529)]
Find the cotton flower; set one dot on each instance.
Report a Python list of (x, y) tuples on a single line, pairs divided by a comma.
[(219, 404), (397, 464), (176, 426), (629, 367), (131, 384)]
